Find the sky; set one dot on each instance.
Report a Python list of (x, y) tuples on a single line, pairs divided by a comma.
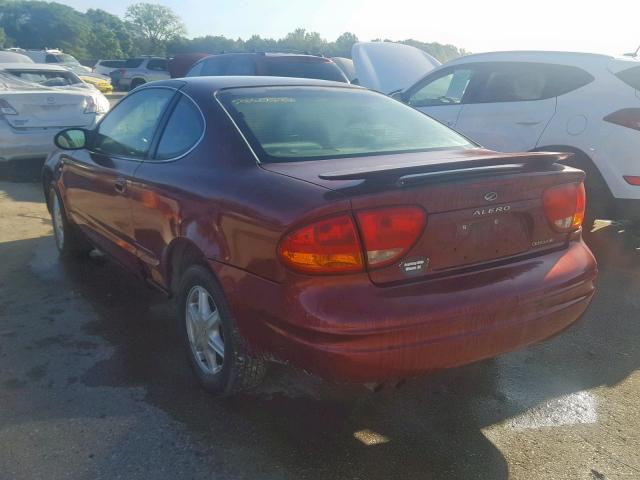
[(475, 25)]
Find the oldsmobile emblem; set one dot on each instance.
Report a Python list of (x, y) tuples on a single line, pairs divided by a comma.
[(491, 196)]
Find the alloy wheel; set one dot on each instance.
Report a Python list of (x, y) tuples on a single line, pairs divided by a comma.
[(56, 216), (204, 330)]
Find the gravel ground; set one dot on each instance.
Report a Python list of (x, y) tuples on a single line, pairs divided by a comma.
[(93, 385)]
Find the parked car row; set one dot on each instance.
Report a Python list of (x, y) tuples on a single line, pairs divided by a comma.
[(321, 223)]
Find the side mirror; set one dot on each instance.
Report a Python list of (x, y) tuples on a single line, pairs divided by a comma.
[(71, 139)]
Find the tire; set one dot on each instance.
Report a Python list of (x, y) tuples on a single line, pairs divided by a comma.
[(215, 348), (136, 83), (69, 239)]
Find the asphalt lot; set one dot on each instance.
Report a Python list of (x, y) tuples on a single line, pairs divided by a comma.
[(93, 385)]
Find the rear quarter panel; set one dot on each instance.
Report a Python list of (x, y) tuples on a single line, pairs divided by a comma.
[(221, 201)]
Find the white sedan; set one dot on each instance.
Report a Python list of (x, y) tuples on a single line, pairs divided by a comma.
[(36, 102)]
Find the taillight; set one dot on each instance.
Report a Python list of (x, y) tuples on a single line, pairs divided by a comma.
[(389, 233), (326, 246), (632, 180), (627, 117), (564, 206), (6, 108), (95, 105)]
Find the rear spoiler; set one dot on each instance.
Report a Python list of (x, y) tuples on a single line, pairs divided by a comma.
[(407, 173)]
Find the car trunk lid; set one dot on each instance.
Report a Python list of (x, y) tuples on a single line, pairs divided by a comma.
[(44, 109), (481, 206)]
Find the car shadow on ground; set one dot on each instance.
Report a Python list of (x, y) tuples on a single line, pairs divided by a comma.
[(433, 426)]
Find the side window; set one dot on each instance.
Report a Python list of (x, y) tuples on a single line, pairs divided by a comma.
[(214, 66), (196, 70), (241, 65), (183, 130), (50, 58), (527, 81), (128, 129), (157, 64), (447, 89)]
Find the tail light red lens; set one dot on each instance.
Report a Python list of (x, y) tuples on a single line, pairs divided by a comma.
[(564, 206), (389, 233), (328, 246), (627, 117), (631, 180)]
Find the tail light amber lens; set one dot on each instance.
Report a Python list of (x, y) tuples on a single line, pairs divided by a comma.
[(327, 246), (564, 206), (389, 233)]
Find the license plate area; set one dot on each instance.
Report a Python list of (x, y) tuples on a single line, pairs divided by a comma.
[(463, 240)]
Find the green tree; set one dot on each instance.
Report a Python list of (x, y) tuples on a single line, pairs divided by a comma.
[(4, 41), (342, 45), (156, 24), (302, 41), (108, 25), (104, 43), (39, 24)]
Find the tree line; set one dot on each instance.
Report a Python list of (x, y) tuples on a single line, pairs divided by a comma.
[(156, 30)]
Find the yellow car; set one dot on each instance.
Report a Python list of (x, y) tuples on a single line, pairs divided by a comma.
[(104, 85)]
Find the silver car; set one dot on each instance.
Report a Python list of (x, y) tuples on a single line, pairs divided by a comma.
[(140, 70), (36, 102)]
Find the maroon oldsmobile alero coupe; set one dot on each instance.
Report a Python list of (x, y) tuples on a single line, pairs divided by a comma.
[(324, 225)]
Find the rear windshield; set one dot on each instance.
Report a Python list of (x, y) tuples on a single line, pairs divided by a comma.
[(285, 124), (133, 62), (304, 68), (47, 78), (631, 77)]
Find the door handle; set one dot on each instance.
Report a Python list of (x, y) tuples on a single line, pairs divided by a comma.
[(121, 185), (529, 124)]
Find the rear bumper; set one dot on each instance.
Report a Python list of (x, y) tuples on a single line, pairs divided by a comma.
[(16, 144), (347, 329)]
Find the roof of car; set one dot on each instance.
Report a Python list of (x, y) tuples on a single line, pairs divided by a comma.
[(222, 82), (535, 55), (33, 66), (272, 55)]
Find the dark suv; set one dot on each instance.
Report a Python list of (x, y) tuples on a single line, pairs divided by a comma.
[(268, 64)]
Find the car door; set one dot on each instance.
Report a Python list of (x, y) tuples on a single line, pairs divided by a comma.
[(156, 203), (443, 93), (510, 107), (97, 179)]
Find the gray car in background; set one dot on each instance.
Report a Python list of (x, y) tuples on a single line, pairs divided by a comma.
[(140, 70)]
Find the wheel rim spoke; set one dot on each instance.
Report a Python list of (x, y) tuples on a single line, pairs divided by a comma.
[(212, 320), (216, 344)]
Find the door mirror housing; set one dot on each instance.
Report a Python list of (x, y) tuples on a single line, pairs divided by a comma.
[(71, 139)]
